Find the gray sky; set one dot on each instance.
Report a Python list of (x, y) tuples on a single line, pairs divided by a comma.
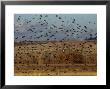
[(50, 27)]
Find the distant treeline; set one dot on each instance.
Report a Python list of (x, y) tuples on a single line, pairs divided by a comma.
[(45, 42)]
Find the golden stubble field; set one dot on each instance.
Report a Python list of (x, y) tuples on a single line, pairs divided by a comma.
[(67, 58)]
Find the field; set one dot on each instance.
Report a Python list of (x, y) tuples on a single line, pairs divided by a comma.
[(66, 58)]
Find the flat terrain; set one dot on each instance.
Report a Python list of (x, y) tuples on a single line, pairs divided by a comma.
[(67, 58)]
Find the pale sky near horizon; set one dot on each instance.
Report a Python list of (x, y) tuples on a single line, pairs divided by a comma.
[(43, 27)]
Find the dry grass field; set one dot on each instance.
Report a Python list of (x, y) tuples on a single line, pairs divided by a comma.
[(67, 58)]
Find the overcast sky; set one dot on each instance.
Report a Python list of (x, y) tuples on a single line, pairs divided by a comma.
[(50, 27)]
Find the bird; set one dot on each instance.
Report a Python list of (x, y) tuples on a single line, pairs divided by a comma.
[(85, 27), (56, 15), (23, 36), (60, 18)]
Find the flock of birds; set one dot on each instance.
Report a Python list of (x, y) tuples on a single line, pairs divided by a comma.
[(43, 28), (51, 27), (55, 58)]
